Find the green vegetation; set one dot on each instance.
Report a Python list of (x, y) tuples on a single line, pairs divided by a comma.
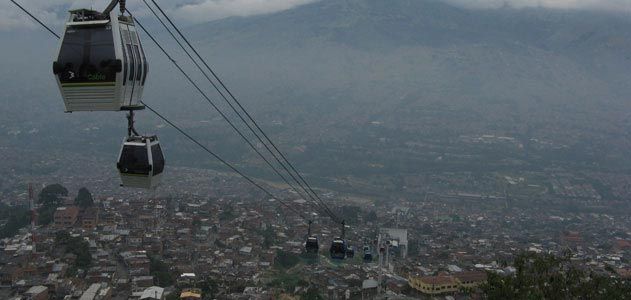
[(269, 237), (286, 260), (50, 198), (350, 213), (52, 195), (160, 271), (209, 288), (311, 294), (551, 277), (75, 245), (84, 198), (175, 295), (16, 217), (287, 282), (227, 214)]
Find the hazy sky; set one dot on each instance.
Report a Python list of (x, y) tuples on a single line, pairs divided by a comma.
[(194, 11), (607, 5)]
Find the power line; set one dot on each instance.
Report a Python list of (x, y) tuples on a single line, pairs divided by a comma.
[(329, 212), (229, 165), (226, 163), (309, 196), (314, 202), (36, 19), (213, 105)]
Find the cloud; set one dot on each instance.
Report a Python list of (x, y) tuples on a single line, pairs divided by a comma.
[(600, 5), (11, 17), (216, 9), (53, 12)]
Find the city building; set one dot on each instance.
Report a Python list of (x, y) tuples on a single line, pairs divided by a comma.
[(38, 292), (444, 284), (398, 238), (66, 216), (153, 293)]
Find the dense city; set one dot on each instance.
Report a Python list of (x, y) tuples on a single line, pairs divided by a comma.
[(227, 240), (427, 149)]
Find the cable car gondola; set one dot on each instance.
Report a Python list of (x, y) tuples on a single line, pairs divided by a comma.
[(312, 246), (350, 252), (338, 249), (141, 162), (101, 65), (367, 254)]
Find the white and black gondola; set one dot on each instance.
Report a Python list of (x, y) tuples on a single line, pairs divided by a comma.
[(312, 246), (367, 254), (101, 66), (141, 162), (350, 251), (338, 248)]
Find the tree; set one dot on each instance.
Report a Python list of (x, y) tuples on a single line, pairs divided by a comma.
[(311, 294), (75, 245), (17, 217), (84, 198), (286, 260), (50, 198), (551, 277), (160, 272), (52, 195), (209, 288)]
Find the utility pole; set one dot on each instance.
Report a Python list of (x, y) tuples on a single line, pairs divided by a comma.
[(380, 247), (384, 248), (31, 203)]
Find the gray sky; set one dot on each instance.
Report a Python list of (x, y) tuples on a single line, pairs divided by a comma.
[(603, 5), (53, 11)]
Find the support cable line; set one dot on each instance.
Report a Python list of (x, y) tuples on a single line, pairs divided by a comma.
[(181, 131), (226, 163), (301, 185), (236, 111), (329, 212), (214, 106), (36, 19)]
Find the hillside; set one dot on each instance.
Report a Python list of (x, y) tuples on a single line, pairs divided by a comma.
[(360, 87)]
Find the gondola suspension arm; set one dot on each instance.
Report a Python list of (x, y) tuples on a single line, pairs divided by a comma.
[(130, 124), (112, 5)]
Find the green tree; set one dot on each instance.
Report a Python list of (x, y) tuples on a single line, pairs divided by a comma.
[(269, 237), (84, 198), (52, 195), (160, 272), (75, 245), (175, 295), (286, 260), (209, 288), (311, 294), (50, 198), (551, 277), (17, 217)]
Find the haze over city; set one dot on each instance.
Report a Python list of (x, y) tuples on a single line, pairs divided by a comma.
[(305, 149)]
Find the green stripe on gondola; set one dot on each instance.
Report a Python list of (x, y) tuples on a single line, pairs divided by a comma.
[(81, 84), (135, 175)]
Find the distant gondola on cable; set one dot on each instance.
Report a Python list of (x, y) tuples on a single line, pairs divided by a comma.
[(350, 251), (101, 65), (311, 245), (367, 254), (338, 249), (141, 162)]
